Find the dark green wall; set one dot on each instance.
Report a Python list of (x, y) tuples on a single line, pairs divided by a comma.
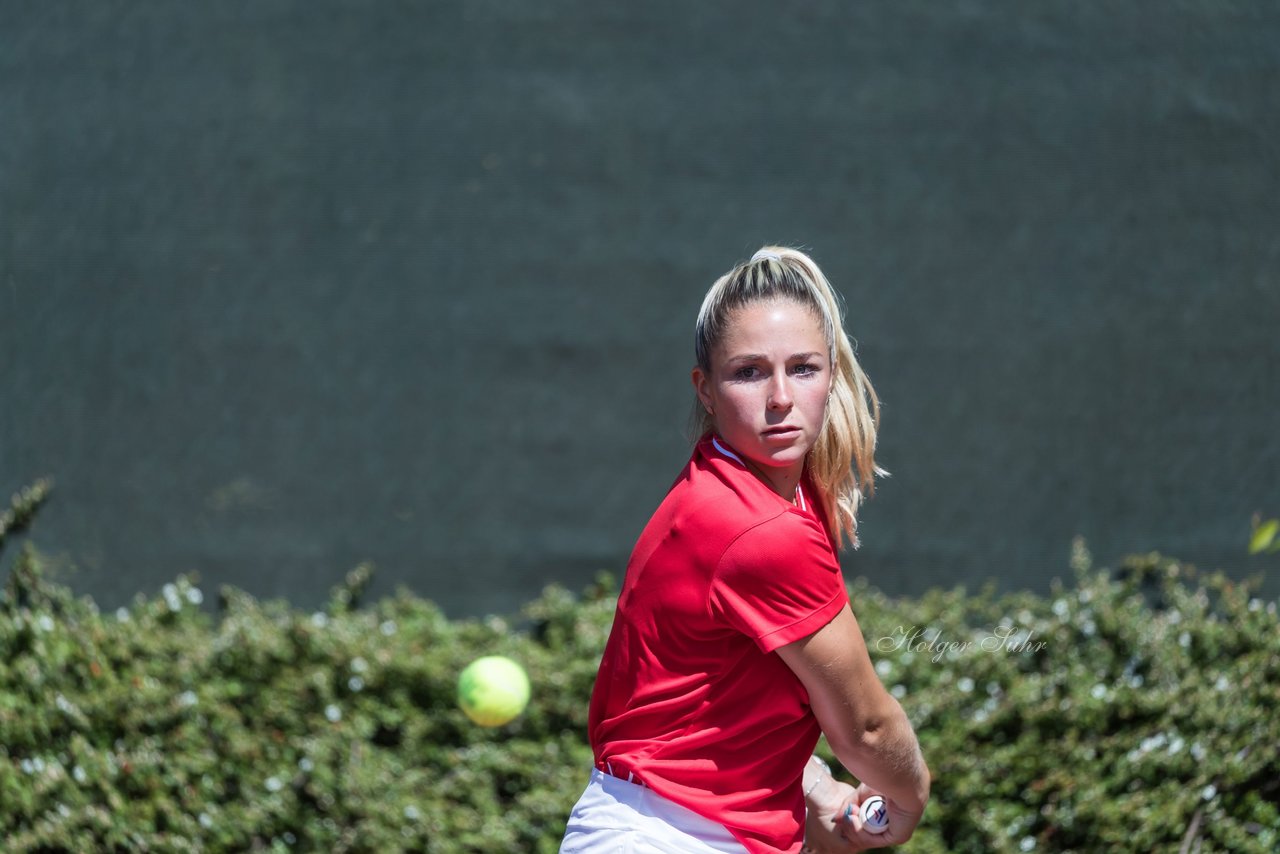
[(289, 285)]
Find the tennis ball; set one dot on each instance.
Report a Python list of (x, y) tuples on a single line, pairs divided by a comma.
[(493, 690)]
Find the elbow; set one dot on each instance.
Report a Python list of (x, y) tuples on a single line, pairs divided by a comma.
[(876, 731), (881, 730), (867, 735)]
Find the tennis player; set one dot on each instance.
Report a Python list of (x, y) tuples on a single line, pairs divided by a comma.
[(734, 645)]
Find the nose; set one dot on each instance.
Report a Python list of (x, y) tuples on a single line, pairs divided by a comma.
[(780, 393)]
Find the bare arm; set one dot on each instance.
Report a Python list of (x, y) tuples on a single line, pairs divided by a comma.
[(863, 723)]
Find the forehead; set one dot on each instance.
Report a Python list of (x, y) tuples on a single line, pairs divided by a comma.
[(774, 324)]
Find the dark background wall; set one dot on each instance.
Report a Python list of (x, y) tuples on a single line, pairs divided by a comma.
[(285, 286)]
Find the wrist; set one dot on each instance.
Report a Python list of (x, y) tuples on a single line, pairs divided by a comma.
[(816, 773)]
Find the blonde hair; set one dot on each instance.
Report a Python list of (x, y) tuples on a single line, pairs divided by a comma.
[(841, 463)]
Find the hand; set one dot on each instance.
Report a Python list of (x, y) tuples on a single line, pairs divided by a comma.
[(824, 819), (902, 823)]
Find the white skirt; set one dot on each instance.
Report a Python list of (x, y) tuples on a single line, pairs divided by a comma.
[(617, 817)]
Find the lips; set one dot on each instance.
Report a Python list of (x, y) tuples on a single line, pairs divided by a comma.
[(781, 431)]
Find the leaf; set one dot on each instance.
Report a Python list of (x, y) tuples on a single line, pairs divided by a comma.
[(1264, 536)]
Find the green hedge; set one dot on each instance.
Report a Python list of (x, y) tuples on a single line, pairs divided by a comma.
[(1134, 710)]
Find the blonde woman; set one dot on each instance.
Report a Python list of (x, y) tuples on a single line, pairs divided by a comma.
[(734, 645)]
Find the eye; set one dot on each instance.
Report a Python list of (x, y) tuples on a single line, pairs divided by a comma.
[(746, 372), (806, 368)]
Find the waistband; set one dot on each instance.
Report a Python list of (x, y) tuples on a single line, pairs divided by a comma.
[(613, 770), (616, 815)]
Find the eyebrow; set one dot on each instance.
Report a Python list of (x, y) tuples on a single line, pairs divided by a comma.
[(759, 357)]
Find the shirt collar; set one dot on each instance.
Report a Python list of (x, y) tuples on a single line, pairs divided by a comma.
[(799, 500)]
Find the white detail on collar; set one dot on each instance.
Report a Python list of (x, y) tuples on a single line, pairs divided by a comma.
[(728, 453)]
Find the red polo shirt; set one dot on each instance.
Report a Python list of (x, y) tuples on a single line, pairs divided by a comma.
[(691, 698)]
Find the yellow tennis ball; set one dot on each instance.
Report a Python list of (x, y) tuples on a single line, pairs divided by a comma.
[(493, 690)]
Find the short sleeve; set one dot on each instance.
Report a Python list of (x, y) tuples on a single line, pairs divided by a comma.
[(778, 582)]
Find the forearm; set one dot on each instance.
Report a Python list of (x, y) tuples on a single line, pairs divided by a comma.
[(886, 756)]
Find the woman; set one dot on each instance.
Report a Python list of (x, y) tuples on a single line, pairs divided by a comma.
[(734, 645)]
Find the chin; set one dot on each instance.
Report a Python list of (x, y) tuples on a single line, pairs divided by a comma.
[(784, 457)]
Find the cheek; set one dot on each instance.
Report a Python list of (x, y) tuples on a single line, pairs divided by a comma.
[(739, 402), (816, 398)]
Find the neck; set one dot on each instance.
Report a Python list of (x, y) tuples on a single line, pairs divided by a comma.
[(781, 480)]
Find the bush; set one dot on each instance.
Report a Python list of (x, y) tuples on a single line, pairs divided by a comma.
[(1132, 711)]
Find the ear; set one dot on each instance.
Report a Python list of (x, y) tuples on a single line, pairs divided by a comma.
[(702, 387)]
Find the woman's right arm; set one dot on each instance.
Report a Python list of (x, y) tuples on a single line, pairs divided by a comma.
[(865, 726)]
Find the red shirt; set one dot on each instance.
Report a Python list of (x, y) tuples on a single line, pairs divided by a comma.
[(690, 697)]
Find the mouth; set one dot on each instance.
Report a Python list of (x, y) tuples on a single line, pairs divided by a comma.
[(781, 431)]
